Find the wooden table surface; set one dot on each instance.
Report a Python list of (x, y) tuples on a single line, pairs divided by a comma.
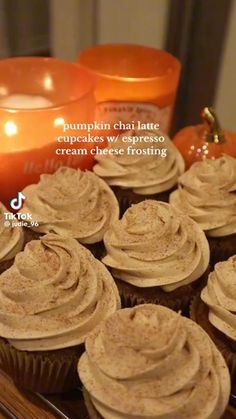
[(18, 404)]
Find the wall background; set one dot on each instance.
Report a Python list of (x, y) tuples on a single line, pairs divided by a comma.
[(225, 102), (77, 24), (132, 21)]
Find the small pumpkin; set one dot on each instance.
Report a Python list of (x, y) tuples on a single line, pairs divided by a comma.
[(206, 140)]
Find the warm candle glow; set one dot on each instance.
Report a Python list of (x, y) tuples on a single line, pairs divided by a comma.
[(48, 82), (10, 128), (59, 122), (21, 101), (133, 83), (37, 97)]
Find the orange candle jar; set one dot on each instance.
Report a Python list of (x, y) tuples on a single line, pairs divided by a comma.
[(37, 97), (134, 83)]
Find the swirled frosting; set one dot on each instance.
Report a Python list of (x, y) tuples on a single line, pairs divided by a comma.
[(55, 293), (154, 245), (71, 203), (219, 295), (11, 238), (207, 193), (149, 362), (144, 174)]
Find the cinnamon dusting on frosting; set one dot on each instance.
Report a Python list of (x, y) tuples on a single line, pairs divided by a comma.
[(150, 362), (72, 203), (55, 293), (144, 174), (219, 295), (154, 245), (207, 194)]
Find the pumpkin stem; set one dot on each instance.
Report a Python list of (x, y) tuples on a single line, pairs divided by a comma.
[(214, 133)]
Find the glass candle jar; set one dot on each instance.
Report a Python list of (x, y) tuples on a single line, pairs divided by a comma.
[(38, 96), (134, 83)]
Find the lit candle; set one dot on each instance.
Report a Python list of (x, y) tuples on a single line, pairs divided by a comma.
[(133, 83), (38, 96), (21, 101)]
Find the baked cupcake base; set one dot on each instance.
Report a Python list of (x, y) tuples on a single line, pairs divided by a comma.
[(177, 300), (221, 248), (44, 372), (126, 197), (199, 313)]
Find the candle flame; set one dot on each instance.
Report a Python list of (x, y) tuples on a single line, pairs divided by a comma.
[(10, 128), (48, 82), (3, 91), (58, 122)]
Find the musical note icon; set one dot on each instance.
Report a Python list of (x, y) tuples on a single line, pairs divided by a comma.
[(16, 203)]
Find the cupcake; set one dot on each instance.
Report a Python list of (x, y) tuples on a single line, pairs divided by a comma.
[(11, 240), (146, 169), (156, 255), (73, 204), (207, 193), (150, 362), (54, 294), (215, 311)]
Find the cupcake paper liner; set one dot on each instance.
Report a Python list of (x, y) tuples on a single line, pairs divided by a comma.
[(178, 300), (180, 304), (221, 248), (50, 372), (199, 313)]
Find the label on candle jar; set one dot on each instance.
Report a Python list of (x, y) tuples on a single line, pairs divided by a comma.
[(114, 111)]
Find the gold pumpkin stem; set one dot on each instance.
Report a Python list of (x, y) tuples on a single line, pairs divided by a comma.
[(214, 133)]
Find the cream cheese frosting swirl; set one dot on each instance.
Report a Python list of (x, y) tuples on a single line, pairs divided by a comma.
[(72, 203), (154, 245), (55, 293), (207, 193), (219, 295), (149, 362), (144, 174), (11, 238)]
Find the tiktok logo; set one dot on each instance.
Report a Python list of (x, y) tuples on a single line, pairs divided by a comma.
[(16, 203)]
